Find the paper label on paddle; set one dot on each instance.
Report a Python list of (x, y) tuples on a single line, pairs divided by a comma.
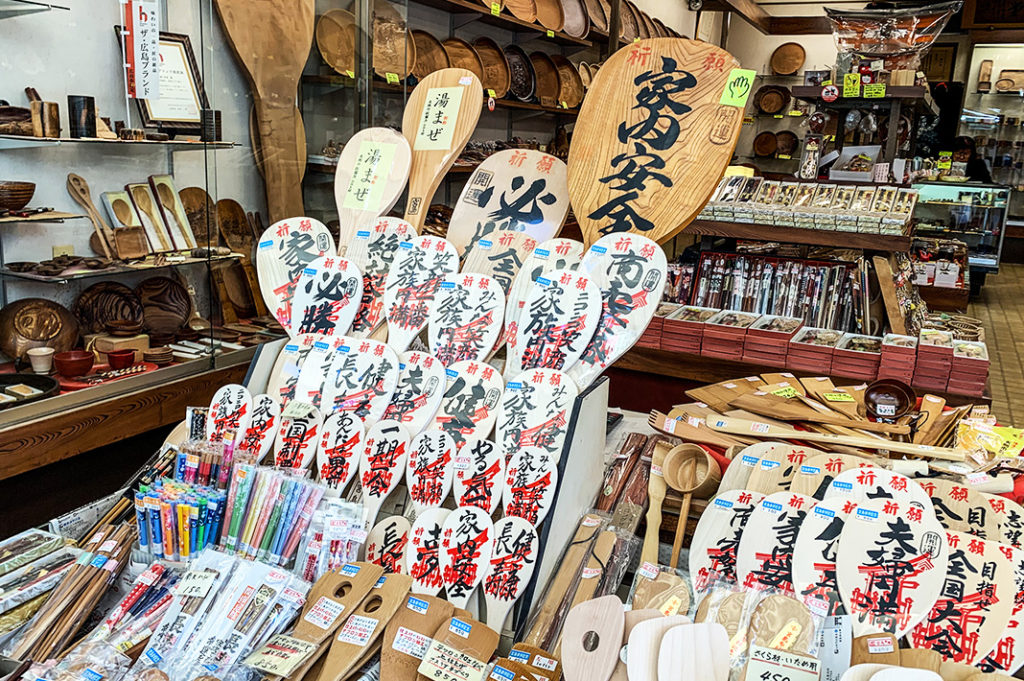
[(324, 613), (877, 646), (460, 628), (499, 673), (648, 570), (787, 392), (777, 665), (738, 87), (369, 175), (545, 663), (445, 663), (281, 655), (411, 643), (671, 606), (437, 124), (748, 460), (838, 397), (357, 630), (759, 427), (195, 584), (874, 90), (786, 636), (978, 478), (417, 605), (851, 85)]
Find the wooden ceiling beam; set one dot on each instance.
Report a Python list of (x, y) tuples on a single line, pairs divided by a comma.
[(756, 16)]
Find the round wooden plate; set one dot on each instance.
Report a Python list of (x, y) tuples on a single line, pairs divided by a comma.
[(548, 84), (765, 144), (520, 67), (496, 73), (576, 19), (628, 29), (394, 50), (771, 99), (598, 19), (787, 59), (786, 142), (165, 304), (524, 10), (549, 14), (104, 302), (336, 40), (430, 55), (462, 55), (570, 85), (36, 322)]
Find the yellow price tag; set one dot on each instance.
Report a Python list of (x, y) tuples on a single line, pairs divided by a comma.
[(825, 82), (564, 105), (851, 85), (874, 90), (787, 392), (490, 92), (778, 116), (838, 397), (495, 9), (748, 120), (551, 34), (796, 112), (392, 78), (350, 73), (784, 157), (636, 40)]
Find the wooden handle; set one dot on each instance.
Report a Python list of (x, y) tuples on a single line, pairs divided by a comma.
[(688, 481), (281, 172), (651, 539), (79, 190), (254, 287), (227, 310)]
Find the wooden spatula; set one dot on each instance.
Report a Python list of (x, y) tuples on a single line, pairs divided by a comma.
[(931, 407), (79, 190), (645, 645), (470, 641), (694, 652), (439, 119), (408, 635), (656, 488), (509, 569), (272, 40), (793, 409), (591, 638), (234, 228), (633, 618)]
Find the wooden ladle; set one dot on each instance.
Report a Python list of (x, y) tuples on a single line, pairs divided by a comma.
[(272, 39), (79, 190), (689, 469)]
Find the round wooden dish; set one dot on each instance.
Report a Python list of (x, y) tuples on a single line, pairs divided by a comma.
[(523, 82), (1005, 84), (49, 385), (598, 19), (430, 55), (787, 59), (394, 50), (549, 14), (524, 10), (583, 68), (106, 302), (642, 31), (570, 85), (336, 40), (786, 143), (497, 75), (165, 303), (649, 27), (548, 86), (462, 55), (661, 28), (576, 19), (765, 144), (15, 195), (628, 29), (771, 99), (35, 323)]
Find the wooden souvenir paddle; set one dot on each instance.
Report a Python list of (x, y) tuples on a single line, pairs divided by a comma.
[(816, 472), (283, 252), (230, 413), (531, 480), (535, 410), (338, 451), (327, 296), (408, 635), (1010, 518), (539, 662), (656, 488), (467, 540), (694, 652), (461, 649), (386, 543), (381, 465), (743, 464), (272, 40), (362, 378), (590, 639), (959, 507), (259, 436), (364, 626), (510, 568), (373, 249), (765, 553), (371, 174), (479, 475), (419, 267), (746, 427), (315, 367), (521, 190), (814, 557), (465, 319), (644, 645), (717, 537), (439, 119), (301, 427), (499, 255), (430, 469), (284, 375), (420, 389), (422, 558), (776, 467), (638, 87), (470, 404), (869, 482)]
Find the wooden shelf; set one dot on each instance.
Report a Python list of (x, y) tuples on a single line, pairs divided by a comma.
[(48, 216), (24, 141), (505, 20), (323, 169), (944, 298), (14, 8), (110, 271), (891, 92), (701, 369), (796, 235)]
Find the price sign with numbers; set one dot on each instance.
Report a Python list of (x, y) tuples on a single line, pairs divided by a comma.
[(768, 664)]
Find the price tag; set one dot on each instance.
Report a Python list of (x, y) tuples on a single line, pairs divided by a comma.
[(350, 73), (196, 584), (445, 663), (281, 655), (874, 90), (748, 120), (838, 397), (851, 85), (550, 33), (495, 9), (324, 613), (411, 643), (783, 157), (778, 116), (563, 105), (491, 93), (636, 40), (392, 78), (778, 665), (787, 392), (738, 87)]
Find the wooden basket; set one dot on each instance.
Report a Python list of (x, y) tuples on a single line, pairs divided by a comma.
[(548, 85), (628, 29), (497, 76), (430, 55), (462, 55)]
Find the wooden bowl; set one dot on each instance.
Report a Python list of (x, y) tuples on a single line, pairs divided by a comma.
[(772, 99), (570, 85), (575, 18), (121, 359), (524, 10), (336, 40), (598, 18), (548, 85), (430, 55), (36, 322), (523, 80), (497, 76), (123, 327), (1005, 84), (786, 142), (462, 55), (15, 195), (662, 29), (583, 68), (73, 363), (549, 14), (787, 59), (765, 144), (706, 471), (394, 50)]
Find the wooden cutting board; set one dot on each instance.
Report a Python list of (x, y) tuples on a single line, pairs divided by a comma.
[(644, 645), (470, 404), (522, 190), (372, 171), (479, 475), (959, 507), (422, 557), (461, 649), (272, 40), (439, 119), (620, 140), (765, 553), (408, 635), (534, 412), (430, 469), (633, 618), (814, 557), (717, 537), (499, 255), (327, 296), (694, 652), (282, 253), (467, 540), (338, 451), (630, 271), (381, 465), (411, 286), (386, 543), (373, 249), (419, 392), (464, 322), (590, 639), (510, 568)]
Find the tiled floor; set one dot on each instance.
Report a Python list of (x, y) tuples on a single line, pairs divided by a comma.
[(1001, 307)]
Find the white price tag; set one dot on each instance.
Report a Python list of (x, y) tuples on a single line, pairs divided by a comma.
[(779, 665)]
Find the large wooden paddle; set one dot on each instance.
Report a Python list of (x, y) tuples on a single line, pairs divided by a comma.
[(272, 40), (652, 139), (439, 119)]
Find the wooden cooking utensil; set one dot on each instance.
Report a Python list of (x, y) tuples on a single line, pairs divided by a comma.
[(539, 662), (169, 202), (233, 226), (645, 644), (272, 40), (694, 652), (684, 430), (775, 406), (408, 634), (931, 407), (257, 145), (632, 619), (372, 171), (695, 151), (455, 98), (79, 190), (599, 622), (201, 212), (656, 487), (465, 636), (680, 469)]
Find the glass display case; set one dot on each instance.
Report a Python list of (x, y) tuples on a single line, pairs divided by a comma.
[(972, 213)]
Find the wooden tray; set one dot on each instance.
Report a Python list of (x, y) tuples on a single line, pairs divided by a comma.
[(524, 10), (36, 322), (787, 59), (548, 84), (165, 303), (595, 12), (47, 384), (336, 40), (576, 18), (80, 382), (462, 55), (430, 55), (570, 85), (523, 79), (394, 50), (628, 29), (496, 73), (1009, 80), (765, 144), (549, 14)]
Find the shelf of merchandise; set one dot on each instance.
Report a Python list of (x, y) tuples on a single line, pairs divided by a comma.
[(477, 11), (14, 8), (701, 369), (111, 271), (813, 92), (22, 141), (48, 216), (945, 298), (797, 235)]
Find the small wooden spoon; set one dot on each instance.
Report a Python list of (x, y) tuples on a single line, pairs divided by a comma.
[(79, 190), (122, 211)]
